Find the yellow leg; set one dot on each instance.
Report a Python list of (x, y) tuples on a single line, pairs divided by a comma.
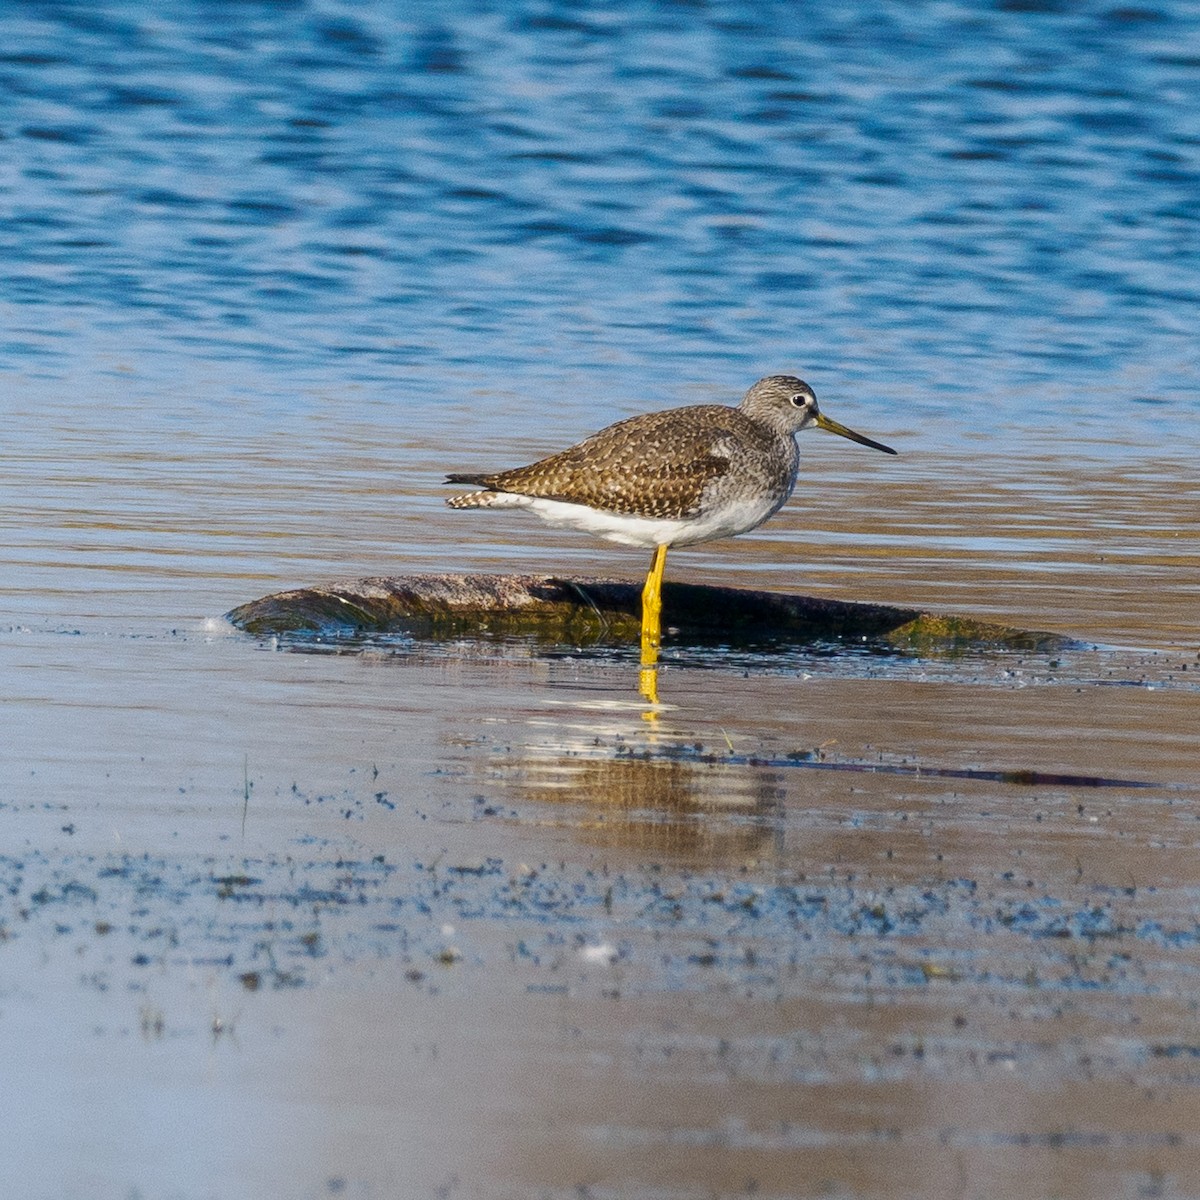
[(652, 608), (652, 627)]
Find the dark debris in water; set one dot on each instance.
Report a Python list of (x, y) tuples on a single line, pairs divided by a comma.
[(267, 922), (1017, 776)]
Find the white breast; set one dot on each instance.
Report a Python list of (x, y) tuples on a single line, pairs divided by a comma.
[(647, 532)]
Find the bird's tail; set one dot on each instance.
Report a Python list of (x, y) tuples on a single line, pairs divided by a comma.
[(471, 500)]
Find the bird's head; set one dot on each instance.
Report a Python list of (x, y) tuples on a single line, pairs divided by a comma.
[(789, 405)]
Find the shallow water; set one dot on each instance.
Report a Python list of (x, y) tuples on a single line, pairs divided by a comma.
[(456, 919)]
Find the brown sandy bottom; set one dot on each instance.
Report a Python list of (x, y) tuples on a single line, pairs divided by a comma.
[(812, 935)]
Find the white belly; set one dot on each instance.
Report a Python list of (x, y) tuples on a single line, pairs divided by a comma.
[(646, 532)]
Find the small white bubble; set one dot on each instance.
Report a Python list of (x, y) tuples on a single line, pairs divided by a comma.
[(600, 953)]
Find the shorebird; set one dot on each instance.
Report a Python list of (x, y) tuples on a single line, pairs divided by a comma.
[(673, 478)]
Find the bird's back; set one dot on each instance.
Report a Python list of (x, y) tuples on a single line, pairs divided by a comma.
[(664, 464)]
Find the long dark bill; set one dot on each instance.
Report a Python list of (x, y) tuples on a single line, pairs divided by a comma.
[(831, 426)]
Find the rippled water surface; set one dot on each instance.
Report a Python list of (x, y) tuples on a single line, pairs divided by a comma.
[(454, 919)]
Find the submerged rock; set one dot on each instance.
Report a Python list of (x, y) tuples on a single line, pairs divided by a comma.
[(579, 609)]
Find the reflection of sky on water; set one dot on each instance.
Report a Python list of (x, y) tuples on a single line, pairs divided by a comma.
[(986, 217), (271, 271)]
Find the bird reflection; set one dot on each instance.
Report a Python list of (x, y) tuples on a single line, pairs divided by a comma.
[(673, 804)]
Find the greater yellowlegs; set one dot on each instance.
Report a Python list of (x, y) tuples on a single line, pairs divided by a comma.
[(671, 478)]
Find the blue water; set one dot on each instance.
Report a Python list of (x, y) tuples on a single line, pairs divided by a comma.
[(269, 269), (981, 220)]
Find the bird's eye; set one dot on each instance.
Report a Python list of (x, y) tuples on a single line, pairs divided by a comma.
[(799, 399)]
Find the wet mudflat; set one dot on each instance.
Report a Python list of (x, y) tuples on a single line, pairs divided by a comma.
[(460, 920)]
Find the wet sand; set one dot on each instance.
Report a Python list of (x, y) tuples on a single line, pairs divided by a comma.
[(479, 927)]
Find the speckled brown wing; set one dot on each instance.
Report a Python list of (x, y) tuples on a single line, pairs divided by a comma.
[(654, 465)]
